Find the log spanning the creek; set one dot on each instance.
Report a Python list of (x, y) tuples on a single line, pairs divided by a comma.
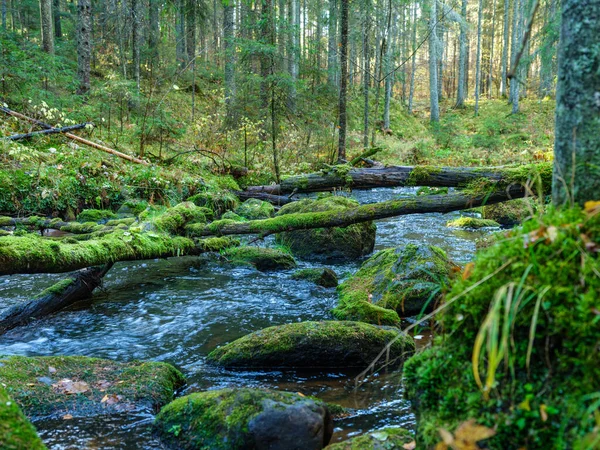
[(394, 176), (57, 297)]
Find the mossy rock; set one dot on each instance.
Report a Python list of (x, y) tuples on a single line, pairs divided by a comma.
[(510, 213), (38, 385), (132, 207), (322, 277), (383, 439), (230, 215), (174, 219), (328, 344), (537, 288), (217, 201), (406, 280), (473, 223), (95, 215), (333, 243), (254, 209), (16, 433), (260, 257), (237, 419)]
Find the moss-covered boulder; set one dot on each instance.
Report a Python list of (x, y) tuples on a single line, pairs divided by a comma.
[(349, 242), (382, 439), (230, 215), (322, 277), (218, 201), (510, 213), (393, 283), (81, 386), (473, 223), (260, 257), (237, 419), (519, 347), (95, 215), (254, 209), (329, 344), (16, 433)]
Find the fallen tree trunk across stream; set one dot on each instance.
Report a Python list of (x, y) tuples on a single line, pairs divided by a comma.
[(394, 176), (57, 297)]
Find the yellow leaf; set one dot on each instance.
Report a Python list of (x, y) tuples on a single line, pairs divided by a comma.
[(67, 417), (446, 436), (470, 432), (591, 206), (468, 270), (552, 233), (525, 405), (410, 445), (543, 413)]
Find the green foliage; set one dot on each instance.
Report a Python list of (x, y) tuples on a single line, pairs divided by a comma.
[(16, 433), (472, 222)]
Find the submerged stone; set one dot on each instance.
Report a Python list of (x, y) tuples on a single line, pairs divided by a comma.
[(322, 277), (260, 257), (232, 419), (83, 386), (382, 439), (328, 344), (350, 242), (254, 209), (402, 281), (16, 432), (472, 223)]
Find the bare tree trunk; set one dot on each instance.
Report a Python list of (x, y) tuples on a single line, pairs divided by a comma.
[(332, 44), (84, 45), (343, 79), (180, 34), (491, 69), (154, 31), (46, 26), (462, 58), (433, 65), (294, 53), (366, 71), (414, 60), (514, 83), (4, 8), (136, 35), (478, 60), (57, 19), (229, 55), (505, 47)]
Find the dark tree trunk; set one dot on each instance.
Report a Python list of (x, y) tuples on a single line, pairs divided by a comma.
[(46, 20), (84, 45), (343, 80), (154, 31), (57, 19)]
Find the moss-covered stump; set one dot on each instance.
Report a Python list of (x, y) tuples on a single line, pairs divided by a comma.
[(232, 419), (80, 386), (472, 223), (349, 242), (254, 209), (527, 315), (260, 257), (329, 344), (510, 213), (322, 277), (402, 281), (382, 439), (16, 433)]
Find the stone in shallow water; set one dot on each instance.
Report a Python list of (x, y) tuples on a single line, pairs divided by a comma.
[(383, 439), (232, 419), (322, 277), (260, 257), (82, 386), (328, 344)]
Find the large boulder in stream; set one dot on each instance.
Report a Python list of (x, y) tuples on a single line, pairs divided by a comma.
[(16, 432), (382, 439), (232, 419), (328, 344), (334, 243), (260, 257), (396, 282), (326, 277), (55, 386)]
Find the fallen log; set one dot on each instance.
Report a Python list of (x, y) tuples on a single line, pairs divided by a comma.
[(18, 137), (57, 297), (363, 213), (394, 176), (74, 137), (274, 199), (372, 151)]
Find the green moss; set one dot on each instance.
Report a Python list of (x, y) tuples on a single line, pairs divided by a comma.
[(323, 277), (95, 215), (254, 209), (81, 228), (143, 384), (6, 221), (349, 242), (218, 201), (116, 222), (57, 288), (382, 439), (230, 215), (219, 420), (16, 433), (426, 190), (260, 257), (472, 222), (217, 244), (420, 175), (512, 212), (542, 270), (327, 344), (174, 219), (5, 233)]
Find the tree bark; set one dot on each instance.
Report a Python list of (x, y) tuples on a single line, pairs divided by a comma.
[(505, 46), (180, 33), (56, 298), (462, 58), (478, 60), (84, 45), (154, 28), (433, 65), (366, 72), (18, 137), (229, 51), (413, 62), (332, 44), (343, 80), (46, 20), (577, 141), (57, 19)]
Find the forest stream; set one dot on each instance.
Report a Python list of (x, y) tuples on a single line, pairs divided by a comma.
[(180, 309)]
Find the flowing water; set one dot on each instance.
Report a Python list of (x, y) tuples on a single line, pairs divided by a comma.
[(178, 310)]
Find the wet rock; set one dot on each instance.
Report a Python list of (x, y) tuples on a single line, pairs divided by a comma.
[(254, 209), (393, 283), (15, 430), (473, 223), (230, 215), (80, 386), (260, 257), (510, 213), (322, 277), (383, 439), (334, 243), (232, 419), (328, 344)]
